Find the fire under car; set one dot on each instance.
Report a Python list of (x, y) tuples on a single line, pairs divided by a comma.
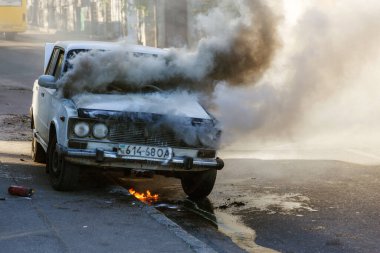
[(144, 130)]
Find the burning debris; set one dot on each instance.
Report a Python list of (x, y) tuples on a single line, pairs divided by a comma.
[(144, 197)]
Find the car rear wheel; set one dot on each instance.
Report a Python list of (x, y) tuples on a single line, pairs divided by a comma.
[(199, 185), (38, 153), (63, 175)]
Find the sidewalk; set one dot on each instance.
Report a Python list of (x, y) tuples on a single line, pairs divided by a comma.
[(89, 220)]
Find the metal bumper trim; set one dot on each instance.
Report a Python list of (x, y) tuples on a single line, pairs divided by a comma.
[(100, 155)]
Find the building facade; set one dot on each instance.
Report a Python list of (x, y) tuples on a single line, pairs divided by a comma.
[(160, 23)]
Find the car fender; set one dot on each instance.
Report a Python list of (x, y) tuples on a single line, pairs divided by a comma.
[(63, 111)]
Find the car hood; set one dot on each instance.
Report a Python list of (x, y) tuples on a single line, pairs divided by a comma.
[(176, 104)]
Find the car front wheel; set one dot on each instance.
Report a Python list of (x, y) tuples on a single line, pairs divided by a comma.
[(63, 175), (198, 185)]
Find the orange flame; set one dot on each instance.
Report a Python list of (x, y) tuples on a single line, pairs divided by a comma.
[(148, 197)]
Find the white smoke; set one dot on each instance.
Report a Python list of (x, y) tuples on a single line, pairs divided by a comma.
[(322, 82), (238, 45)]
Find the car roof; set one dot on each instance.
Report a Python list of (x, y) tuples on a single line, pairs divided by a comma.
[(101, 45)]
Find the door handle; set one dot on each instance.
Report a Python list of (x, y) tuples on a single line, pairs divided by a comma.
[(42, 94)]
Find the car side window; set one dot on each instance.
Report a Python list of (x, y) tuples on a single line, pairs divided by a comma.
[(58, 68), (53, 59)]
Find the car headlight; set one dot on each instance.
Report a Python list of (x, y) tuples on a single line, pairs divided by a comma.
[(100, 131), (81, 129)]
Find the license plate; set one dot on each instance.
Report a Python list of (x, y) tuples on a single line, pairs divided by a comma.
[(144, 151)]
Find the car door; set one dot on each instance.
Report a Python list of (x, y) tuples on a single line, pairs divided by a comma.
[(44, 100)]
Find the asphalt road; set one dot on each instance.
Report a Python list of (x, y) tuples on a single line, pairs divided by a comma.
[(21, 64), (306, 205), (282, 205), (287, 199)]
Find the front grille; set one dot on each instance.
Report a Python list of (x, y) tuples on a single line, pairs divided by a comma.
[(155, 129), (139, 133)]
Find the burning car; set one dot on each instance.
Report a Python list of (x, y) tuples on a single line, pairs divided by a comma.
[(143, 128)]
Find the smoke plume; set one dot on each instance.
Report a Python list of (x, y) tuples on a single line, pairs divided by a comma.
[(321, 83), (272, 69), (238, 45)]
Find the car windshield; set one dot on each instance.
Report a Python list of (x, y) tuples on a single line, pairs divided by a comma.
[(117, 86), (70, 55)]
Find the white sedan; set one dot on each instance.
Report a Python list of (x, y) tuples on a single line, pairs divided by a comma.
[(141, 130)]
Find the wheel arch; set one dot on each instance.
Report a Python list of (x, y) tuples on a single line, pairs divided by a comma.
[(58, 128), (52, 130), (31, 118)]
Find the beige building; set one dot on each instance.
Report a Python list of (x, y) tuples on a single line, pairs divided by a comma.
[(162, 23)]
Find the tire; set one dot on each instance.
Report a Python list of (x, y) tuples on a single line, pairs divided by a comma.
[(199, 185), (38, 153), (63, 175)]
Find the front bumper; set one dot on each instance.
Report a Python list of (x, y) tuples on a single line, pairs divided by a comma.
[(110, 159)]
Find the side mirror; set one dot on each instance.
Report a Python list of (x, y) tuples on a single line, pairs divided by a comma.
[(47, 81)]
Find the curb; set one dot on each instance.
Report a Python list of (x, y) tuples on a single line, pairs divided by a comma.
[(195, 244)]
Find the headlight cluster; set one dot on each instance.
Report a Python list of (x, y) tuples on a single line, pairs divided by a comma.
[(81, 129), (99, 130)]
